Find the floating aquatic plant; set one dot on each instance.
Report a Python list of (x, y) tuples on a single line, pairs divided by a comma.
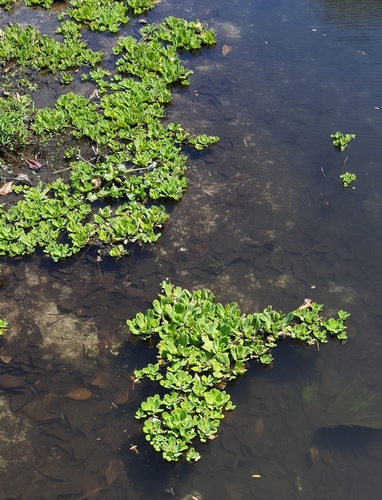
[(202, 345), (7, 4), (347, 178), (341, 141), (16, 113), (353, 404), (100, 15), (3, 326), (28, 47), (137, 160)]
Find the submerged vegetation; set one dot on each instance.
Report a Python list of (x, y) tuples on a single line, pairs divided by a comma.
[(15, 117), (27, 47), (352, 403), (136, 163), (203, 345)]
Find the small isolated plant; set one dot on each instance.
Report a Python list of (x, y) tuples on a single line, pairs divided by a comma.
[(341, 141), (347, 178), (202, 345), (3, 326)]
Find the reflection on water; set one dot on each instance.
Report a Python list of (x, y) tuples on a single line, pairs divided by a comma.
[(259, 224), (364, 14)]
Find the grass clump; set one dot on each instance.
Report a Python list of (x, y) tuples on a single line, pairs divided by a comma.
[(202, 345)]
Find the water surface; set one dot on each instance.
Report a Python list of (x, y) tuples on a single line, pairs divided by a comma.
[(259, 225)]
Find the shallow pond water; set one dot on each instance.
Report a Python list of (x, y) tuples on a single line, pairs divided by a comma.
[(259, 224)]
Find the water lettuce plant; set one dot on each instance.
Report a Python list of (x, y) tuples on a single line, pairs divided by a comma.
[(16, 114), (100, 15), (3, 326), (27, 47), (341, 141), (136, 161), (47, 4), (7, 4), (92, 6), (201, 346), (347, 178)]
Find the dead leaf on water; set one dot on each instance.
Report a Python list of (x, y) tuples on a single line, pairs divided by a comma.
[(94, 94), (201, 248), (6, 188), (90, 494), (122, 397), (96, 182), (42, 408), (8, 381), (23, 178), (156, 1), (306, 304), (326, 455), (32, 163), (313, 452), (112, 471), (79, 394), (226, 49), (101, 380), (259, 426)]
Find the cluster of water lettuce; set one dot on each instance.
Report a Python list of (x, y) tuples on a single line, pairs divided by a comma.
[(106, 15), (202, 345), (137, 160), (15, 117), (3, 326), (106, 12)]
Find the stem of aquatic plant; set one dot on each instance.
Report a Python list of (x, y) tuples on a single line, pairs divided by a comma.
[(343, 166)]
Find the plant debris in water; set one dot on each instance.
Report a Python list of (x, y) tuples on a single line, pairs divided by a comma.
[(202, 345), (137, 162)]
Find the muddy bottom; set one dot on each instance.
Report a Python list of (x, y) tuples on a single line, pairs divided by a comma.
[(67, 430)]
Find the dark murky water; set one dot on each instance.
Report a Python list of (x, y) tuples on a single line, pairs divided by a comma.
[(259, 224)]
